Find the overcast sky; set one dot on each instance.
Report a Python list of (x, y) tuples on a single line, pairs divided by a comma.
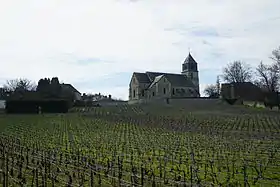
[(96, 45)]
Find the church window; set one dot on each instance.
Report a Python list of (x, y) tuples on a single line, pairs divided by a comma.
[(153, 93), (173, 91), (164, 91), (143, 93), (133, 93)]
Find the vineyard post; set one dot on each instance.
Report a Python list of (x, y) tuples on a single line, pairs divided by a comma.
[(52, 181), (184, 175), (7, 171), (142, 175), (91, 178), (245, 173), (154, 181), (33, 177), (120, 170), (99, 176), (4, 175), (36, 177), (112, 167), (70, 180), (191, 175)]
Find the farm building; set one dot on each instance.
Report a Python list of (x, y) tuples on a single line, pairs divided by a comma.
[(72, 89), (154, 85), (245, 91)]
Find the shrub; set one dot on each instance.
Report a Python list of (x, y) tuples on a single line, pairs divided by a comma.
[(54, 106), (22, 107)]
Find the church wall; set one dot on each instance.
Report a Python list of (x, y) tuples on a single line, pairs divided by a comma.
[(194, 77), (161, 89), (138, 88), (179, 92), (133, 87), (152, 92)]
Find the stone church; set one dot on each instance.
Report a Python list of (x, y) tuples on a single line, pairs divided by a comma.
[(155, 85)]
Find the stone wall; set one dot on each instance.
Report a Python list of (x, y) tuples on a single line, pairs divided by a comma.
[(199, 102), (112, 103)]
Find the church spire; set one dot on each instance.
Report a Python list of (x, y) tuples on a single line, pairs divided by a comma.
[(190, 69), (190, 59)]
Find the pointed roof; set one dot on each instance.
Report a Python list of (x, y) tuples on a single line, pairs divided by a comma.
[(142, 77), (157, 78), (69, 87), (152, 75), (174, 79), (190, 59)]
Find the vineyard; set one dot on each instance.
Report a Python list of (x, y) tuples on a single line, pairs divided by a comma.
[(141, 146)]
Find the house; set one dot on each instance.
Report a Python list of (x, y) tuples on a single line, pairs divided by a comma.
[(72, 89), (153, 85), (245, 91)]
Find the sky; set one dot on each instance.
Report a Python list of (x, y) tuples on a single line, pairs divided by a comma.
[(96, 45)]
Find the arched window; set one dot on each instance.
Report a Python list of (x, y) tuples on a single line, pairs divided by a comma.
[(133, 93), (164, 91)]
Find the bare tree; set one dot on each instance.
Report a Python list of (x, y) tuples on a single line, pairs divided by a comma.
[(237, 72), (268, 77), (211, 91), (21, 84), (276, 55)]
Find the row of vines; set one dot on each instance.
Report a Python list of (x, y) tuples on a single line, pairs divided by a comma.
[(130, 146)]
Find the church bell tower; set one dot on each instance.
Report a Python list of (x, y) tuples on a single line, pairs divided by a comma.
[(190, 69)]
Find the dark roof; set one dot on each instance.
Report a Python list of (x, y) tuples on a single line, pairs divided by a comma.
[(174, 79), (156, 80), (179, 80), (153, 75), (142, 77), (190, 59), (69, 87)]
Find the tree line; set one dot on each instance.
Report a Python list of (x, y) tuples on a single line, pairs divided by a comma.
[(265, 76), (46, 87), (50, 88)]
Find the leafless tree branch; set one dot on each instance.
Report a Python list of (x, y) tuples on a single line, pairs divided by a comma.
[(21, 84), (237, 72)]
